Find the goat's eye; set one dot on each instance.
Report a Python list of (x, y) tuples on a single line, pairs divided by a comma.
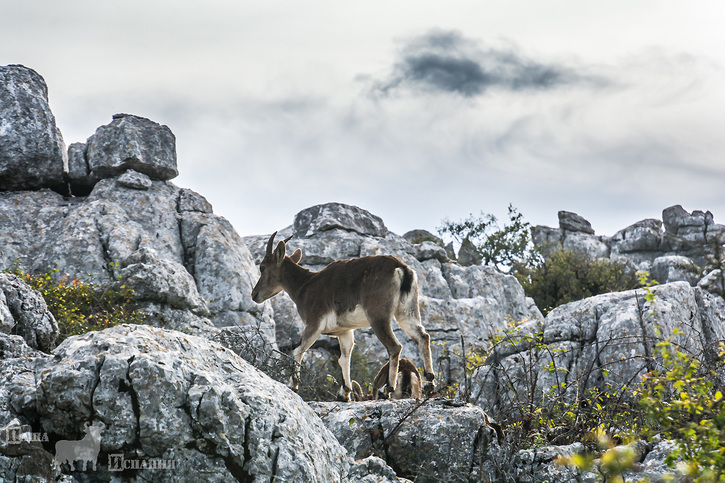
[(261, 269)]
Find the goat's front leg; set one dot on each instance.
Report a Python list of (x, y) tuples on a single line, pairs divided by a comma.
[(347, 342), (309, 336)]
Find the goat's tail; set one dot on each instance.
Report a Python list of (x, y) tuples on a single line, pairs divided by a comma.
[(409, 279)]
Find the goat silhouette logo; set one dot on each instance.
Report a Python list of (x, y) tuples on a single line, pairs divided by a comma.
[(84, 450)]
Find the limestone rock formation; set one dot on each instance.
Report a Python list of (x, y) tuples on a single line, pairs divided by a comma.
[(473, 302), (132, 142), (429, 441), (575, 223), (212, 413), (682, 247), (606, 339), (31, 146), (165, 240), (330, 216), (23, 312)]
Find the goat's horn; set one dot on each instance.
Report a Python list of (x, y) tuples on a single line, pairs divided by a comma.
[(270, 243), (288, 239)]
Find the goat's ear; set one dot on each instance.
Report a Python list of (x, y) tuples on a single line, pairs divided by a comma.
[(296, 256), (279, 253)]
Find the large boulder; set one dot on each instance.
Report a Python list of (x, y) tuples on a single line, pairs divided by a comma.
[(31, 146), (426, 441), (131, 142), (575, 223), (23, 312), (325, 217), (167, 396)]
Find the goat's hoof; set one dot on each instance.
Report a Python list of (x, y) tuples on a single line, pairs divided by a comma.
[(383, 393), (343, 395), (429, 389)]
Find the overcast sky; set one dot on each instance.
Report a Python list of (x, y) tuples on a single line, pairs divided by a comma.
[(414, 110)]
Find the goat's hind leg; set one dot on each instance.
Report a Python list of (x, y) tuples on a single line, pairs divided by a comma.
[(409, 320), (384, 333)]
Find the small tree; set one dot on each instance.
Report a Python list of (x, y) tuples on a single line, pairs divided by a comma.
[(506, 247)]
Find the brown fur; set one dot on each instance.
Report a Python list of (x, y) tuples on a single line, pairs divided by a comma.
[(409, 383), (344, 296)]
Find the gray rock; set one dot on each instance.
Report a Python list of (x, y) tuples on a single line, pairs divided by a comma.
[(546, 238), (415, 237), (591, 245), (468, 254), (192, 201), (373, 470), (32, 150), (539, 464), (198, 262), (435, 440), (643, 236), (25, 313), (675, 218), (78, 172), (161, 280), (135, 180), (601, 340), (674, 268), (428, 250), (713, 282), (132, 142), (325, 217), (572, 222), (158, 402)]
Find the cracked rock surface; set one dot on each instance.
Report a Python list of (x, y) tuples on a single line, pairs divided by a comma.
[(173, 250), (438, 440), (606, 339), (474, 302), (31, 146), (23, 312), (217, 416)]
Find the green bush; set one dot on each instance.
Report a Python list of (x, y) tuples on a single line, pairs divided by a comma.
[(568, 275), (80, 307)]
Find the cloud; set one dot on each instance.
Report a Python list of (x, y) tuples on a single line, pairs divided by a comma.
[(448, 62)]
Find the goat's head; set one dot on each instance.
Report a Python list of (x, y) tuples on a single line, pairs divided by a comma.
[(269, 283)]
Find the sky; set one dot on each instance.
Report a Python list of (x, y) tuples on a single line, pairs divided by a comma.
[(417, 111)]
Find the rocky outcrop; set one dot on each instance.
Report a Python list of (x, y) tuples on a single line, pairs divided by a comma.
[(128, 143), (682, 247), (212, 414), (542, 464), (572, 222), (31, 146), (604, 341), (164, 240), (426, 441), (456, 302), (23, 312)]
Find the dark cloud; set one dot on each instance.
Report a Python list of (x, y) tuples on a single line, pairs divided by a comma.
[(446, 61)]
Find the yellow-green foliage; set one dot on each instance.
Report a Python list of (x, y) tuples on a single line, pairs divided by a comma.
[(80, 307), (684, 401), (568, 275)]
